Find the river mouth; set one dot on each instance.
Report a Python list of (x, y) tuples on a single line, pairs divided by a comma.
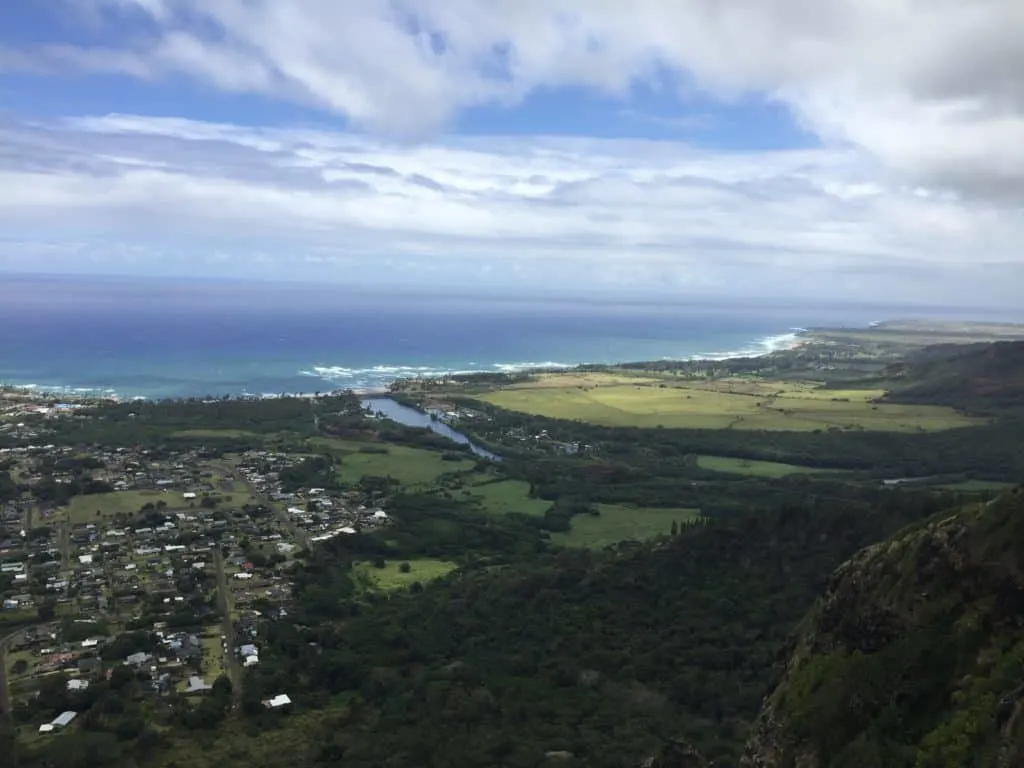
[(411, 417)]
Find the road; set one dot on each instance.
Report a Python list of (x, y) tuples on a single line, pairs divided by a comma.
[(231, 664)]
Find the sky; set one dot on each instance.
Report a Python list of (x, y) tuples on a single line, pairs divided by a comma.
[(854, 150)]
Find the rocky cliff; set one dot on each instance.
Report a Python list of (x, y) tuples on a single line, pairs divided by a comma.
[(913, 657)]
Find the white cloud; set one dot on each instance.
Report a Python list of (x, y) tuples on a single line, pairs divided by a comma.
[(161, 194), (932, 88)]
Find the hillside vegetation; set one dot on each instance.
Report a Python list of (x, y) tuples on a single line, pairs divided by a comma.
[(913, 657)]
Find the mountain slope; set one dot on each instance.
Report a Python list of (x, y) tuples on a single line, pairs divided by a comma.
[(914, 656), (978, 376)]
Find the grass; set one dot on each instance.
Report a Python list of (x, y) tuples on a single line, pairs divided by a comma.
[(391, 576), (505, 497), (741, 403), (410, 466), (83, 509), (620, 523), (977, 485), (750, 467), (213, 434), (213, 656)]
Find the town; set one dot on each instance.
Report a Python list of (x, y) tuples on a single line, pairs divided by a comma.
[(153, 563)]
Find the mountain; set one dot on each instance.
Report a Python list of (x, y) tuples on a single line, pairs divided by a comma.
[(976, 376), (913, 657)]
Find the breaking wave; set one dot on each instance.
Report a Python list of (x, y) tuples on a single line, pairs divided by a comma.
[(378, 377)]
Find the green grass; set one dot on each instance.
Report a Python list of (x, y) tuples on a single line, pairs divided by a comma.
[(750, 467), (213, 434), (743, 404), (977, 485), (505, 497), (410, 466), (213, 658), (619, 523), (82, 509), (391, 577)]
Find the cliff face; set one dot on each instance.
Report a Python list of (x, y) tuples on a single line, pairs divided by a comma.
[(913, 657)]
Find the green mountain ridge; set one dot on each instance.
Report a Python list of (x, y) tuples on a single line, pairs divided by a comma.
[(913, 657)]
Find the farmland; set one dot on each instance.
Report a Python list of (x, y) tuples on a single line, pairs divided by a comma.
[(410, 466), (506, 496), (739, 404), (617, 523), (769, 469)]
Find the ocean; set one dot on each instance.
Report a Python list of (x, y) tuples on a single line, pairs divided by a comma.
[(174, 338)]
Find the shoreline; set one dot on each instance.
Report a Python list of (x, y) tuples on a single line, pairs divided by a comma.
[(761, 347)]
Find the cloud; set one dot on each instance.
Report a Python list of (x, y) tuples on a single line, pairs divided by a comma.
[(147, 194), (934, 89)]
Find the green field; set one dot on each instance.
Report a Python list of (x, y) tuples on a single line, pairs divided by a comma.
[(743, 404), (391, 577), (619, 523), (751, 467), (213, 434), (82, 509), (976, 485), (410, 466), (506, 496)]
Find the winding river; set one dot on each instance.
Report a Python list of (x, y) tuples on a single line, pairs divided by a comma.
[(403, 414)]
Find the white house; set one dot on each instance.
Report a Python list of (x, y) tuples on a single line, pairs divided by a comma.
[(280, 700)]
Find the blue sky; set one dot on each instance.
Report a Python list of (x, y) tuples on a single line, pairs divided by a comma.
[(743, 149)]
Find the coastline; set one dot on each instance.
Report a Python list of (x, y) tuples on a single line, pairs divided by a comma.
[(387, 374)]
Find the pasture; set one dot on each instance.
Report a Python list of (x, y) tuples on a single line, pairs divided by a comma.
[(740, 403), (621, 523), (750, 467), (392, 577), (410, 466), (505, 497), (215, 434)]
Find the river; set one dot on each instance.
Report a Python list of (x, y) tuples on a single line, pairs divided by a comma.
[(403, 414)]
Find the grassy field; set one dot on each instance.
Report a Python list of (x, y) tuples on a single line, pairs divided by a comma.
[(977, 485), (506, 496), (410, 466), (618, 523), (82, 509), (391, 576), (213, 434), (751, 467), (742, 403)]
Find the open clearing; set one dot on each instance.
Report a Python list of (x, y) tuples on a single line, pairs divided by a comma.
[(213, 434), (751, 467), (505, 497), (83, 509), (741, 403), (619, 523), (410, 466), (976, 485), (391, 576)]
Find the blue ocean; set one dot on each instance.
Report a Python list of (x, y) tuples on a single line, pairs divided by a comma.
[(176, 338)]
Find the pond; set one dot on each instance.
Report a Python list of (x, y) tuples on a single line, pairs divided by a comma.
[(403, 414)]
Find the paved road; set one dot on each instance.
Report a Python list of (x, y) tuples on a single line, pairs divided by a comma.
[(231, 664)]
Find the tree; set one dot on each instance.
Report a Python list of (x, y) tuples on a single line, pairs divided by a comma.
[(222, 687)]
